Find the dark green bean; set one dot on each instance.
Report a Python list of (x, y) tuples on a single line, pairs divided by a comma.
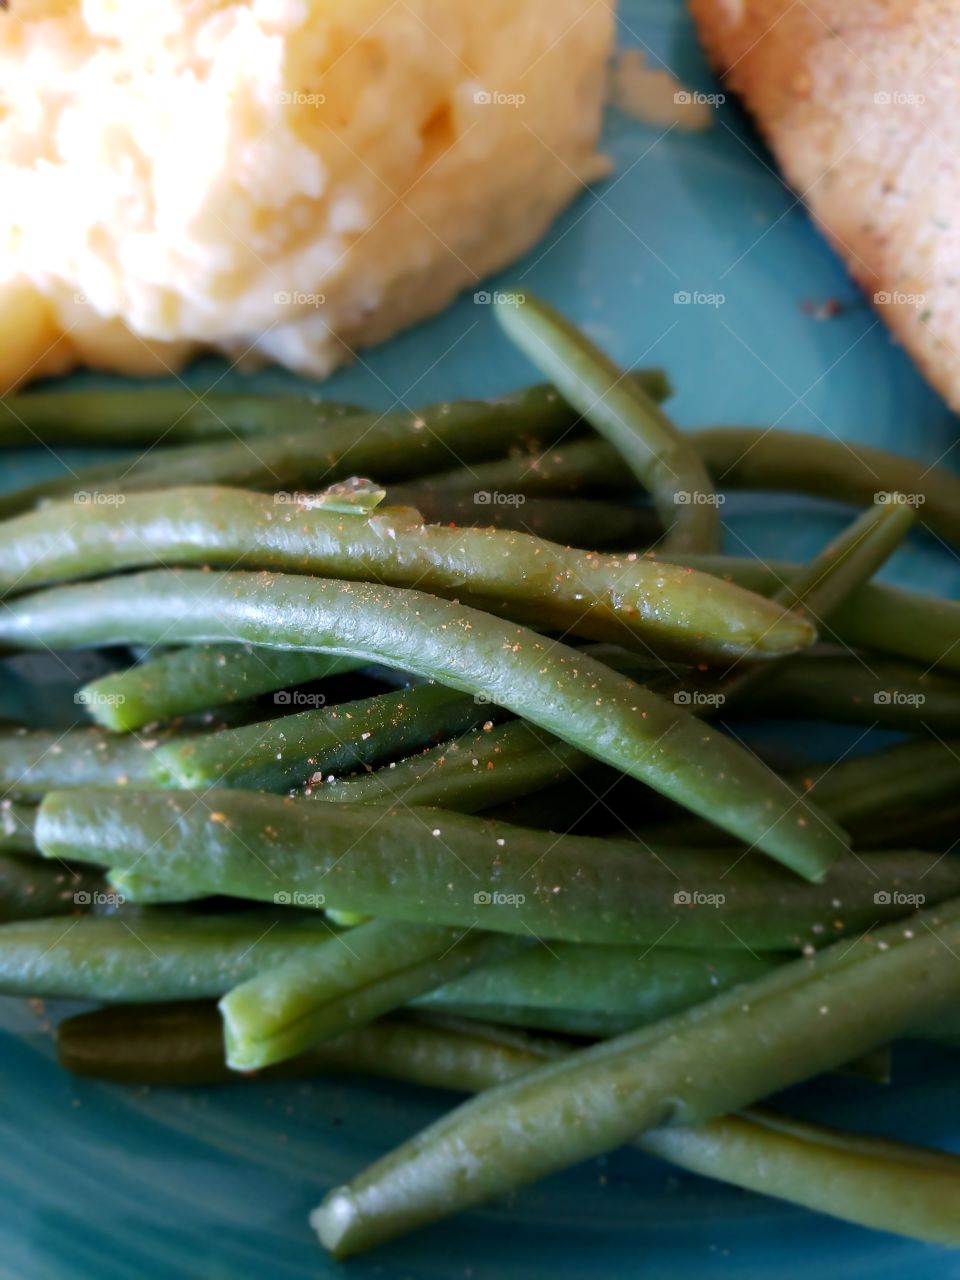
[(564, 692), (390, 446), (673, 610), (804, 1018), (849, 690), (572, 523), (378, 966), (861, 1180), (800, 462), (151, 415), (634, 985), (161, 955), (434, 867), (651, 446), (29, 888), (200, 677), (290, 752), (473, 772), (573, 467)]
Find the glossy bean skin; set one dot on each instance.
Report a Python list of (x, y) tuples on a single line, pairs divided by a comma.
[(804, 1018), (30, 889), (430, 866), (672, 610), (571, 695)]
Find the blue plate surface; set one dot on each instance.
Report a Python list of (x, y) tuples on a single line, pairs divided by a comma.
[(100, 1183)]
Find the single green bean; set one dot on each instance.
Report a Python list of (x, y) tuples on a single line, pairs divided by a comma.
[(375, 968), (848, 690), (151, 415), (657, 453), (860, 1180), (292, 751), (573, 467), (430, 866), (804, 1018), (161, 955), (201, 677), (904, 623), (568, 694), (32, 761), (674, 610), (634, 985), (182, 1044), (29, 888), (800, 462), (470, 773), (390, 446), (573, 523)]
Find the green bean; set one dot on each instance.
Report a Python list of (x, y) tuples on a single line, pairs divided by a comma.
[(430, 866), (32, 761), (162, 955), (570, 695), (904, 623), (182, 1044), (377, 967), (675, 610), (848, 690), (16, 827), (800, 462), (573, 467), (861, 1180), (390, 446), (573, 523), (469, 773), (634, 985), (200, 677), (29, 888), (151, 415), (651, 446), (804, 1018), (291, 751)]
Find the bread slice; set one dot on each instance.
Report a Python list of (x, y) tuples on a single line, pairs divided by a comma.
[(858, 100)]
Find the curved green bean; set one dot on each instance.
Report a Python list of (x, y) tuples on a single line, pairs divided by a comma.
[(430, 866), (378, 966), (804, 1018), (290, 752), (657, 453), (800, 462), (200, 677), (569, 694), (470, 773), (674, 610), (160, 955)]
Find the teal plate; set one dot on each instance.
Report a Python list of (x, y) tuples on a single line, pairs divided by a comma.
[(101, 1183)]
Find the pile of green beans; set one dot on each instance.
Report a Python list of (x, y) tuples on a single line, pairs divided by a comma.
[(407, 777)]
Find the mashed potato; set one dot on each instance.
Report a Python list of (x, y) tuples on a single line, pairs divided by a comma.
[(289, 179)]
